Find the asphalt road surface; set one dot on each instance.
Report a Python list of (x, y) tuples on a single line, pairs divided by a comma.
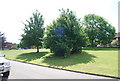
[(28, 71)]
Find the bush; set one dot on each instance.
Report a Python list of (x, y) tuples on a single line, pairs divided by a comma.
[(65, 35), (61, 50), (115, 43)]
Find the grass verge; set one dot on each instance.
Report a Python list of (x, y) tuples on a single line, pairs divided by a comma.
[(102, 61)]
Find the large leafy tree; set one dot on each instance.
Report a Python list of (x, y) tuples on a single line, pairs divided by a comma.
[(33, 31), (98, 30), (65, 35)]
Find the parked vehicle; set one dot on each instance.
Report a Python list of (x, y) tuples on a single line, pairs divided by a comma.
[(4, 66)]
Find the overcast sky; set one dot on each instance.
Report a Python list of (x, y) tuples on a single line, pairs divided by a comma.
[(12, 12)]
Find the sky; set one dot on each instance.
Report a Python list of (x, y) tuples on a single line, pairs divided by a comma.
[(14, 12)]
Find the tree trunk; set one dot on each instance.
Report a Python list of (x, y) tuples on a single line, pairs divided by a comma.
[(37, 49)]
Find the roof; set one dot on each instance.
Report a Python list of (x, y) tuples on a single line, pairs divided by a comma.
[(118, 34)]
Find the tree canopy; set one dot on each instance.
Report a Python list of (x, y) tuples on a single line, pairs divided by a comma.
[(33, 31), (65, 35), (98, 30)]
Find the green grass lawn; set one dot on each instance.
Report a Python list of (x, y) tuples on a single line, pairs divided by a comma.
[(98, 61)]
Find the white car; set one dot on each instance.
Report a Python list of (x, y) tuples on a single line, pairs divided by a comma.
[(4, 66)]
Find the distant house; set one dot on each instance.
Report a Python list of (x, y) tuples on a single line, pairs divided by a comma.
[(117, 36), (9, 45), (6, 45)]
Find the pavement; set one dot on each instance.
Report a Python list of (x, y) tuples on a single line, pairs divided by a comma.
[(28, 71)]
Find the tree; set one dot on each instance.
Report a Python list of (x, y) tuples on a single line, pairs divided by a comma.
[(65, 35), (98, 30), (115, 43), (2, 40), (33, 31)]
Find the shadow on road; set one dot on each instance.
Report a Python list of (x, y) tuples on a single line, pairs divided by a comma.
[(4, 79), (82, 58), (31, 56)]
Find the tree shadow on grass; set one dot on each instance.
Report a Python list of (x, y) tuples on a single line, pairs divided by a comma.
[(31, 56), (82, 58)]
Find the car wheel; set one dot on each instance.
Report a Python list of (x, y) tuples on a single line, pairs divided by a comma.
[(6, 74)]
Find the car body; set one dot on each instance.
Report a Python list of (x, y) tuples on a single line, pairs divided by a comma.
[(4, 66)]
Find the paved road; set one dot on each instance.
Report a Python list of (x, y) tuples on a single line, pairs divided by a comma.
[(27, 71)]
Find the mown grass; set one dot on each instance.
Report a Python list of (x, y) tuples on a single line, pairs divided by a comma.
[(97, 61), (102, 49)]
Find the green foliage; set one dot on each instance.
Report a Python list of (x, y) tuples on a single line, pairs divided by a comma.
[(98, 30), (33, 31), (115, 43), (65, 35)]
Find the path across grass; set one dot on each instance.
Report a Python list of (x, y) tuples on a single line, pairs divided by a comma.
[(103, 61)]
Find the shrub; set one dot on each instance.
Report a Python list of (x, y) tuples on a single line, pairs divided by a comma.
[(65, 35)]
